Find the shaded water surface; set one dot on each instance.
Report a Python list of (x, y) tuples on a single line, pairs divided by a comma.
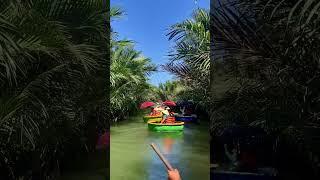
[(132, 158)]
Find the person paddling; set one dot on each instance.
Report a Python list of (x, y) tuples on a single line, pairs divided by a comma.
[(174, 175), (165, 114), (152, 113), (233, 157), (182, 109)]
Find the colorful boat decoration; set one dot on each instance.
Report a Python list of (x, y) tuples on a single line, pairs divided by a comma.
[(186, 119), (156, 118), (167, 127)]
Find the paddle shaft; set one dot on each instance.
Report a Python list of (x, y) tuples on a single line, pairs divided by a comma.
[(163, 159)]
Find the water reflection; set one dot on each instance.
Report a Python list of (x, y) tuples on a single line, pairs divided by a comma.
[(169, 144), (132, 157)]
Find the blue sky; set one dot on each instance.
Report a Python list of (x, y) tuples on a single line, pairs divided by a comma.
[(146, 22)]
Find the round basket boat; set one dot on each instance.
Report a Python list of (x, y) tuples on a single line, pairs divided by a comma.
[(157, 118), (185, 119), (170, 134), (167, 127)]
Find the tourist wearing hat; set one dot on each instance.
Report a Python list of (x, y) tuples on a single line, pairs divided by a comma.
[(165, 114)]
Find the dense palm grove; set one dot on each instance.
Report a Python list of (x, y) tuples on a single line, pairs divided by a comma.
[(265, 73), (190, 57), (53, 91), (172, 90), (129, 71), (190, 63)]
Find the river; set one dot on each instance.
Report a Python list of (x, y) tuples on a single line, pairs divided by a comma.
[(132, 158)]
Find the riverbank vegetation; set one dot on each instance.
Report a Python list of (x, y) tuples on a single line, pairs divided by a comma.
[(265, 73), (172, 90), (190, 57), (129, 71), (189, 63), (53, 84)]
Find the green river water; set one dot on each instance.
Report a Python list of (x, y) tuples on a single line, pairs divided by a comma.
[(132, 158)]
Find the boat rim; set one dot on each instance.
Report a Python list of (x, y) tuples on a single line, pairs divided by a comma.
[(184, 116), (177, 123), (152, 116)]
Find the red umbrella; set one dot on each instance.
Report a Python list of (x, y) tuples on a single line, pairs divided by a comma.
[(146, 104), (169, 103)]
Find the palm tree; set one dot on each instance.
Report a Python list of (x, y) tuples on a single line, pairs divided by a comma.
[(265, 64), (190, 56), (129, 72), (258, 55), (170, 90), (192, 40), (53, 64)]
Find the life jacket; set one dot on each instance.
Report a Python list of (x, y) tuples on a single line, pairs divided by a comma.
[(158, 113), (155, 113), (170, 119)]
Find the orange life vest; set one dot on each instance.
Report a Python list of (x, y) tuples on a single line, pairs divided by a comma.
[(170, 119)]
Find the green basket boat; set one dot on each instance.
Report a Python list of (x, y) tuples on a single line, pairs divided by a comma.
[(154, 118), (156, 126)]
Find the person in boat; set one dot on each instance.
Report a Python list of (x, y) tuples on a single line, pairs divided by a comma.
[(182, 109), (168, 116), (155, 110), (174, 175), (188, 111), (158, 107), (152, 113), (171, 113), (165, 114), (233, 157)]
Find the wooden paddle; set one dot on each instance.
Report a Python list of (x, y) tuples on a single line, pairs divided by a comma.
[(163, 159)]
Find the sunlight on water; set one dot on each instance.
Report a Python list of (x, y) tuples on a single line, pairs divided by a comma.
[(132, 158)]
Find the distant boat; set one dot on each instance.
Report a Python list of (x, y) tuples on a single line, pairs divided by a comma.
[(186, 118)]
